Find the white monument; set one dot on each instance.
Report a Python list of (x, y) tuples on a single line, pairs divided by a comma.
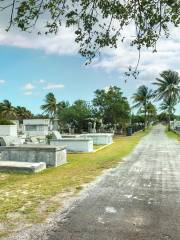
[(36, 127), (8, 130)]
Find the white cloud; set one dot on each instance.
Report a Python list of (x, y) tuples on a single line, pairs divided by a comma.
[(29, 87), (62, 43), (2, 81), (111, 59), (151, 64), (51, 86), (28, 93), (41, 81)]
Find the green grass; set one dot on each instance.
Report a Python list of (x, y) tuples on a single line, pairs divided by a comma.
[(98, 146), (29, 198), (172, 135)]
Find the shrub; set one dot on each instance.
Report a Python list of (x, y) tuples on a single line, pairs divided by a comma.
[(6, 122)]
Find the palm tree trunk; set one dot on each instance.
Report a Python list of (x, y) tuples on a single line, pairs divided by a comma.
[(169, 120), (145, 118)]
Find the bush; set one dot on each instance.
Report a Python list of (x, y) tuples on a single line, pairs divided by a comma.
[(48, 138), (6, 122)]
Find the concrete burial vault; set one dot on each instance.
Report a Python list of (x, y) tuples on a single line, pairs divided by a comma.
[(50, 155), (74, 144), (25, 167), (99, 138)]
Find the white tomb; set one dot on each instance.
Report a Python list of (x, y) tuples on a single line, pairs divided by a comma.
[(100, 138), (10, 141), (36, 127), (175, 125), (51, 155), (8, 130), (74, 144)]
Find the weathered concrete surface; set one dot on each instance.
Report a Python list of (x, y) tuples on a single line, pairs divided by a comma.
[(23, 167), (10, 140), (74, 144), (99, 138), (51, 155), (139, 200)]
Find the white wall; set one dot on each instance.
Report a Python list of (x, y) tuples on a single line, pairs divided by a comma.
[(36, 121), (41, 127), (8, 130), (100, 138), (43, 132), (74, 144)]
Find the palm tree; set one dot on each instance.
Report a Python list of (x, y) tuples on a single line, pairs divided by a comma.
[(23, 113), (141, 100), (62, 105), (151, 111), (168, 90), (168, 107), (7, 110), (50, 105)]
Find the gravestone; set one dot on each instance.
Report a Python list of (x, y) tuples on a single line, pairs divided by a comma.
[(89, 127), (56, 135)]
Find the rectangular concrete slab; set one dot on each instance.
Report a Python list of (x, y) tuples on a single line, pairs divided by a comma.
[(51, 155), (24, 167), (75, 144), (99, 138)]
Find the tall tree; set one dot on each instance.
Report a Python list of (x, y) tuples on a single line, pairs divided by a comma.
[(168, 90), (7, 110), (151, 112), (168, 107), (76, 114), (61, 106), (50, 105), (111, 105), (23, 113), (141, 100), (97, 24)]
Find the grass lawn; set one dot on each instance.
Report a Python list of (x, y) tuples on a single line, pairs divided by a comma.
[(98, 146), (29, 198), (172, 135)]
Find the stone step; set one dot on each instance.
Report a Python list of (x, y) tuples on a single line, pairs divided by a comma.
[(23, 167)]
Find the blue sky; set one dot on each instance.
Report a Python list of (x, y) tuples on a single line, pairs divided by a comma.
[(30, 74), (32, 66)]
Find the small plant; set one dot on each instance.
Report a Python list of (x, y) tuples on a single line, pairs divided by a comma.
[(49, 137)]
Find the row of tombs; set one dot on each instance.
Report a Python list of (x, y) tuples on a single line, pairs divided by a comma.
[(175, 126), (31, 151)]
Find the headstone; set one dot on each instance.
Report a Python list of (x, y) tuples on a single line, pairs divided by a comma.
[(34, 140), (90, 127), (10, 140), (56, 135), (94, 127), (55, 125)]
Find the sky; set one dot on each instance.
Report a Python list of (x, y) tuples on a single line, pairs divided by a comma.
[(32, 65)]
